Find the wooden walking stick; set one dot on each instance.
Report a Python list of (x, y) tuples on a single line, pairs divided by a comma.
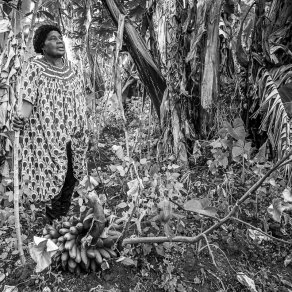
[(16, 196), (16, 147)]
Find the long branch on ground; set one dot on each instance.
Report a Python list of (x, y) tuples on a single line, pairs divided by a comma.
[(230, 215)]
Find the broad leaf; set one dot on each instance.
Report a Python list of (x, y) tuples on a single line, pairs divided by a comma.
[(41, 251), (246, 281), (121, 170), (122, 205), (216, 144), (167, 230), (146, 248), (237, 151), (118, 151), (231, 131), (238, 127), (275, 119), (287, 195), (276, 209), (288, 260), (257, 236), (134, 187), (261, 155), (127, 261), (273, 183), (198, 207), (166, 208), (160, 250), (2, 276)]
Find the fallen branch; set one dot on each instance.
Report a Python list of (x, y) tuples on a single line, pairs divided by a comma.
[(229, 216)]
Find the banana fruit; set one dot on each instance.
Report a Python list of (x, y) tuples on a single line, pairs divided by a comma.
[(75, 255)]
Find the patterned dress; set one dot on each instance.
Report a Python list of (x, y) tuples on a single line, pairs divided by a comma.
[(58, 116)]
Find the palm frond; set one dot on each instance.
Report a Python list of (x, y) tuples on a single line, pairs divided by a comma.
[(275, 119)]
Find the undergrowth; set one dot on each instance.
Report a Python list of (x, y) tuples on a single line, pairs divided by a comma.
[(159, 199)]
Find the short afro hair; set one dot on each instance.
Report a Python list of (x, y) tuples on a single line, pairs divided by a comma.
[(40, 36)]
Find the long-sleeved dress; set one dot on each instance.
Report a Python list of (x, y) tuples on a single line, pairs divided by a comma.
[(58, 117)]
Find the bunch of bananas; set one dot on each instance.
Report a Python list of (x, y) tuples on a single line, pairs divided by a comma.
[(79, 247)]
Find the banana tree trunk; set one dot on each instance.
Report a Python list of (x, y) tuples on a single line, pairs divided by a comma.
[(97, 80), (209, 84), (169, 39), (147, 68)]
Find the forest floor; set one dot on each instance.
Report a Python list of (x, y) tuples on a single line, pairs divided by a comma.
[(179, 267)]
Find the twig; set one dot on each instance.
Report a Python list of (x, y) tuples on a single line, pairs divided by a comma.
[(217, 247), (259, 230), (224, 289), (216, 225), (210, 251), (125, 230), (285, 163)]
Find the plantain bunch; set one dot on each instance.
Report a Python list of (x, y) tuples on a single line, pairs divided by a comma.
[(81, 247)]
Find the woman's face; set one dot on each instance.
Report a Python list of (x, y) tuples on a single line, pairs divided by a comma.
[(54, 45)]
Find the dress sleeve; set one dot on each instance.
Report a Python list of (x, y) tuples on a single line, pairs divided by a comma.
[(30, 83)]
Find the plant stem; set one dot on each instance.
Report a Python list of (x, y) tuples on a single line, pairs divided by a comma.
[(210, 251), (125, 230)]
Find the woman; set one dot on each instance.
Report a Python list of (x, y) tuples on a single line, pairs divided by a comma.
[(54, 121)]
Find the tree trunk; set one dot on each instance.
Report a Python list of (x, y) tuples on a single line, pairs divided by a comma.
[(209, 84), (170, 43), (146, 66), (96, 78)]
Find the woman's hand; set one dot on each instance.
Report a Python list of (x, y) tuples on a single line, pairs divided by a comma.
[(21, 118), (18, 122)]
